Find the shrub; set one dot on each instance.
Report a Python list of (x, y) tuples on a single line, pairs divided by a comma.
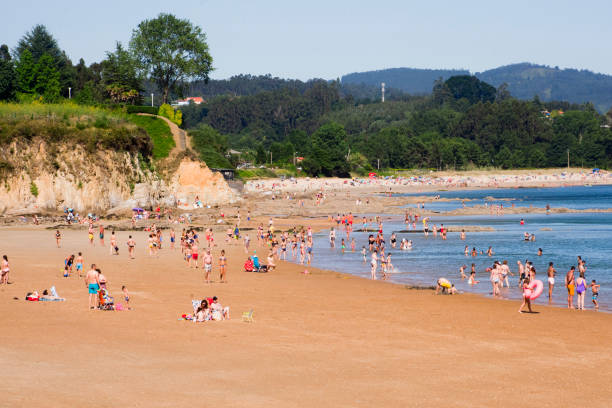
[(34, 189), (168, 111)]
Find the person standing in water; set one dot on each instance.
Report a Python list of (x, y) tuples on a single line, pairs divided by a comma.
[(569, 284), (551, 280), (581, 287)]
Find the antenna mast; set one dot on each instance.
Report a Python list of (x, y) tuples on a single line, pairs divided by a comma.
[(383, 91)]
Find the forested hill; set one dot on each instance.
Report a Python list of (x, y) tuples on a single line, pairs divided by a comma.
[(411, 80), (524, 81), (553, 84), (247, 85)]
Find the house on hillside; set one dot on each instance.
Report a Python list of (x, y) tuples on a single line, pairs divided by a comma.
[(195, 99)]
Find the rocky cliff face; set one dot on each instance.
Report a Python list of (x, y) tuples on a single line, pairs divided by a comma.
[(41, 177)]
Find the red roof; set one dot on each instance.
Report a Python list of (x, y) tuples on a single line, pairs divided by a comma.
[(195, 99)]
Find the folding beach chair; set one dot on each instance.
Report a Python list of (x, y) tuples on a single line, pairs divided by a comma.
[(248, 316)]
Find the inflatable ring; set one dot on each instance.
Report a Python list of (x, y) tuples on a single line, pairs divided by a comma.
[(537, 286), (444, 283)]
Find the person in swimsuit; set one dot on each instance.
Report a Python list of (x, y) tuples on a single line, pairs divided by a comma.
[(526, 295), (472, 280), (373, 264), (569, 284), (194, 255), (172, 238), (101, 235), (551, 272), (222, 266), (207, 265), (4, 270), (462, 272), (58, 238), (101, 279), (92, 283), (126, 297), (595, 289), (581, 287), (131, 244)]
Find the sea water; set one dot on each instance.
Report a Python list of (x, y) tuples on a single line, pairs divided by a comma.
[(562, 237)]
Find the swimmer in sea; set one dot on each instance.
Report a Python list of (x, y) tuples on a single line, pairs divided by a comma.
[(472, 280), (462, 272)]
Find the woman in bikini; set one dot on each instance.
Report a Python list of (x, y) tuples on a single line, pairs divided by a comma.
[(222, 265)]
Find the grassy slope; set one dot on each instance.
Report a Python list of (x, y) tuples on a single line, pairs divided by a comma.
[(158, 131)]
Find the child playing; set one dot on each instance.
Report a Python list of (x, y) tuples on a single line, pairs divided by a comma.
[(595, 289), (526, 295), (126, 297)]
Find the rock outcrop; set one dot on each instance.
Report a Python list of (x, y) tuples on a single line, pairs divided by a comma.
[(49, 178)]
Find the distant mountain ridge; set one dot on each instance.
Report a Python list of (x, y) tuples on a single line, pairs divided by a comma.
[(525, 80), (411, 80)]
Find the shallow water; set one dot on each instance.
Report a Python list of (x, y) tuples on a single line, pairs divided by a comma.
[(577, 197), (586, 234)]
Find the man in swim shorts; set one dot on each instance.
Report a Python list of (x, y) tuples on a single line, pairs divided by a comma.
[(551, 279), (92, 282)]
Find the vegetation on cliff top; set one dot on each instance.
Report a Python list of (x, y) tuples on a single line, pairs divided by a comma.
[(159, 132)]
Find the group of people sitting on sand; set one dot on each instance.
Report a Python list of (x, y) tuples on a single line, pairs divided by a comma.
[(252, 263), (209, 309)]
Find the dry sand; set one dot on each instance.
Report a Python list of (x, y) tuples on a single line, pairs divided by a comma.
[(327, 339)]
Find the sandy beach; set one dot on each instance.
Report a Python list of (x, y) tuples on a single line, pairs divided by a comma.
[(325, 339)]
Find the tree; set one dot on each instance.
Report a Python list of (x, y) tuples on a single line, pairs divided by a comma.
[(328, 152), (120, 77), (470, 88), (7, 74), (171, 51), (47, 79), (26, 73), (40, 42)]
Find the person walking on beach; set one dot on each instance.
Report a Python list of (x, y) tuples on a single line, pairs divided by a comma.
[(4, 270), (131, 244), (222, 265), (207, 265), (92, 283), (101, 234), (58, 238), (526, 295), (551, 280), (569, 284)]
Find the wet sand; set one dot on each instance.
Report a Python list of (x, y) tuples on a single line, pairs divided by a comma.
[(323, 339)]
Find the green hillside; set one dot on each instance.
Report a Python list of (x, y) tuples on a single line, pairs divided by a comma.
[(553, 84)]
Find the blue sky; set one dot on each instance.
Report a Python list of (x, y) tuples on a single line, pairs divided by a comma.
[(326, 39)]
